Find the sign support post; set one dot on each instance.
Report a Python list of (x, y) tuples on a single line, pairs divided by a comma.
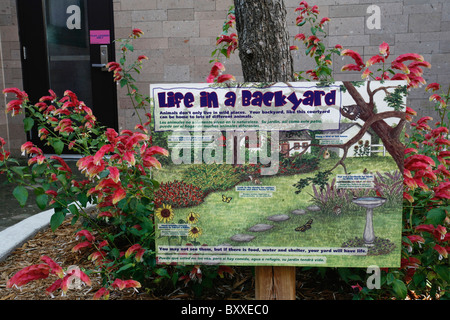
[(274, 283)]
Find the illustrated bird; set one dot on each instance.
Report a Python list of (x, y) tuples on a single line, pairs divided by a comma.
[(326, 154), (337, 209)]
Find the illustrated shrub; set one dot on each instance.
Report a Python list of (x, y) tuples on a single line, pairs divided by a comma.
[(178, 194), (329, 198), (211, 177), (389, 185)]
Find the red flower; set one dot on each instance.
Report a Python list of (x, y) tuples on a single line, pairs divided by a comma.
[(55, 268), (78, 247), (408, 56), (102, 292), (27, 274), (375, 59), (355, 55), (85, 233), (122, 284), (384, 50), (137, 33), (142, 57), (433, 87)]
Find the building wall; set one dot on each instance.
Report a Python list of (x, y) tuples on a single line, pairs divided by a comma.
[(11, 128), (180, 36)]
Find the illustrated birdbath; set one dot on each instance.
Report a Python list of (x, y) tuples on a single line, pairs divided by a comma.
[(369, 203)]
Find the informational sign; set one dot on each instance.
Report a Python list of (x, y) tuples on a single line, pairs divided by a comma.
[(100, 37), (278, 174)]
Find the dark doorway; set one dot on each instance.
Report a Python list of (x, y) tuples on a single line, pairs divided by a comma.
[(65, 45)]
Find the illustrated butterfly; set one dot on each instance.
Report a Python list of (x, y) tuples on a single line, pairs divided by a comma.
[(305, 227), (226, 199)]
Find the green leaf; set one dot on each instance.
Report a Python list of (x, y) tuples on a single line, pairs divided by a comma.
[(58, 145), (436, 216), (19, 170), (21, 194), (41, 201), (73, 209), (442, 271), (162, 272), (28, 124), (125, 267), (57, 219), (399, 288), (83, 199)]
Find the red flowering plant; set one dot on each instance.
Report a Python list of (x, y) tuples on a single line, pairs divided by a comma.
[(424, 264), (118, 181), (227, 43), (314, 46)]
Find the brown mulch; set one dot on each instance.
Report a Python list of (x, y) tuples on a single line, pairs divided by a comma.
[(58, 245)]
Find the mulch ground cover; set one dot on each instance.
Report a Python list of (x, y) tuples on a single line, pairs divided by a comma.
[(58, 245)]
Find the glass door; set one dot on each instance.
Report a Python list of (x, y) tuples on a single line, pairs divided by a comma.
[(65, 45), (68, 47)]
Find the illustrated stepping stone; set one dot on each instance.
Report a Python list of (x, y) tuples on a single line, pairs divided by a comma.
[(313, 208), (260, 227), (298, 212), (242, 237), (278, 217)]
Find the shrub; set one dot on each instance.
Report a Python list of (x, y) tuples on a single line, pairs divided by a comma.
[(211, 177), (178, 194)]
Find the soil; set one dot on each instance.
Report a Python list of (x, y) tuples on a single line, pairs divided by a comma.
[(310, 285)]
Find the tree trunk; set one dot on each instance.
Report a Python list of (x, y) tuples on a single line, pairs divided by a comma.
[(263, 40), (265, 57)]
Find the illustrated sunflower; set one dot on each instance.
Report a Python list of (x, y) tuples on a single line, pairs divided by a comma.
[(165, 214), (195, 232), (193, 217)]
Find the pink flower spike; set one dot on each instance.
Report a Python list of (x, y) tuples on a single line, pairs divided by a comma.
[(351, 67), (55, 268), (102, 292), (374, 60), (55, 286), (400, 66), (114, 174), (384, 50), (409, 56), (122, 284), (119, 194), (300, 36), (85, 233), (293, 48), (225, 77), (81, 245), (353, 54), (324, 20), (366, 73), (433, 87), (442, 251), (132, 249), (21, 95)]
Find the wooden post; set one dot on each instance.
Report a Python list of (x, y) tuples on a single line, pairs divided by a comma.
[(274, 283)]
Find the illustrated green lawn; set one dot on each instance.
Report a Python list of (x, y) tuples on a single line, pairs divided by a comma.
[(220, 220)]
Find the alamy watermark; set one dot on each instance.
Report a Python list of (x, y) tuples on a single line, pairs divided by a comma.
[(234, 147), (374, 280)]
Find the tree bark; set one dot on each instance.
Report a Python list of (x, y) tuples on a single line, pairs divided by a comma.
[(266, 57), (263, 40)]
